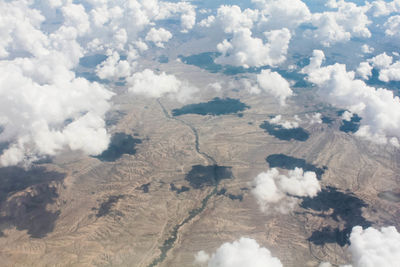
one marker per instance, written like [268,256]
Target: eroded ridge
[213,174]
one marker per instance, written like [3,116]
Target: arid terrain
[186,187]
[179,133]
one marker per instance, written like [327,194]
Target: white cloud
[265,190]
[113,68]
[379,108]
[186,11]
[347,115]
[332,27]
[34,114]
[247,51]
[271,188]
[372,247]
[249,85]
[207,22]
[391,73]
[41,43]
[388,71]
[315,118]
[285,124]
[277,14]
[382,8]
[155,85]
[364,70]
[201,258]
[76,17]
[44,107]
[20,30]
[142,46]
[315,62]
[273,83]
[188,21]
[394,142]
[392,26]
[300,183]
[243,252]
[109,19]
[232,18]
[205,11]
[215,86]
[127,24]
[158,36]
[241,48]
[366,49]
[101,25]
[381,61]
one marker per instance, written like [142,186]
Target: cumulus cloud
[364,70]
[185,10]
[126,25]
[265,190]
[277,14]
[347,115]
[158,36]
[388,70]
[284,123]
[269,15]
[241,47]
[366,49]
[391,73]
[215,86]
[243,252]
[140,45]
[20,30]
[247,51]
[381,61]
[201,258]
[188,21]
[273,83]
[34,114]
[273,189]
[315,118]
[76,17]
[114,68]
[207,22]
[270,82]
[231,18]
[325,264]
[379,108]
[44,107]
[339,26]
[372,247]
[150,84]
[392,26]
[249,85]
[300,183]
[383,8]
